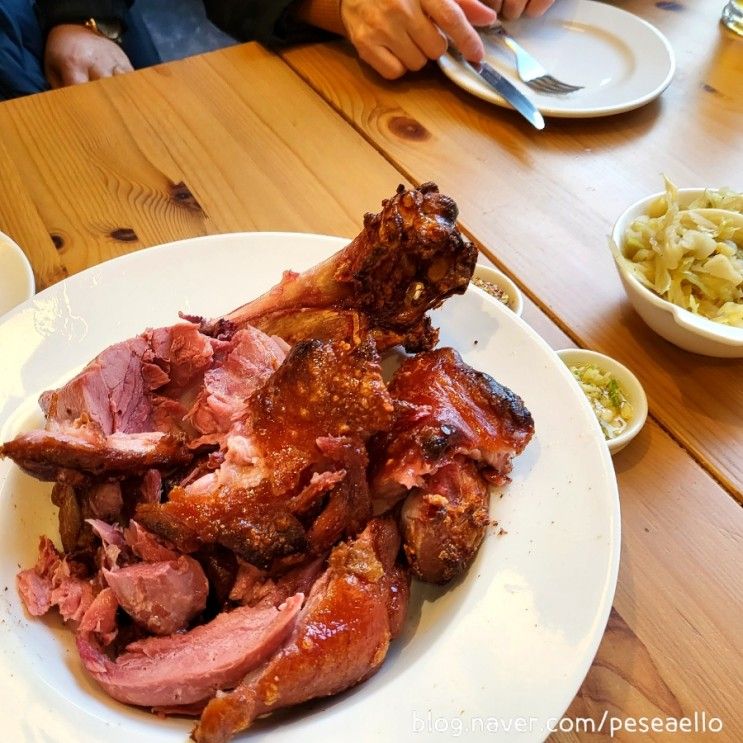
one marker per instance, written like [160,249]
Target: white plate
[622,61]
[512,640]
[16,276]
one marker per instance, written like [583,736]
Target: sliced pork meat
[341,638]
[163,597]
[406,260]
[446,409]
[253,587]
[116,391]
[190,667]
[146,545]
[250,358]
[444,522]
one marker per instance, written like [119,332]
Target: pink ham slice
[100,618]
[252,357]
[188,668]
[146,545]
[51,583]
[161,596]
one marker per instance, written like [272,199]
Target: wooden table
[241,140]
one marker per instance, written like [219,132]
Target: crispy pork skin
[444,522]
[301,449]
[161,596]
[407,260]
[341,638]
[187,668]
[446,409]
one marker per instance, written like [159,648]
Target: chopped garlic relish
[607,398]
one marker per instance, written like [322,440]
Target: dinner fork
[530,71]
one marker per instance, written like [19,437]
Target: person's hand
[75,54]
[394,36]
[512,9]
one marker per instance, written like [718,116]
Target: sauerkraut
[689,255]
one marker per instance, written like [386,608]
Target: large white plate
[622,61]
[16,276]
[512,640]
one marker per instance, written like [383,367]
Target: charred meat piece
[251,523]
[407,260]
[78,456]
[340,639]
[445,408]
[302,449]
[444,522]
[456,430]
[187,668]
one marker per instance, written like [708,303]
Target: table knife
[504,87]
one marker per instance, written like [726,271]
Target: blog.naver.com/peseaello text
[696,723]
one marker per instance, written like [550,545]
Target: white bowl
[676,324]
[629,383]
[494,276]
[16,277]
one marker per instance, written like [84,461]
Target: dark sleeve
[269,21]
[53,12]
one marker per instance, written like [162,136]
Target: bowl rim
[628,379]
[516,293]
[696,324]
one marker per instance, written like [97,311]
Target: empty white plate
[16,276]
[621,61]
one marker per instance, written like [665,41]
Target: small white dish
[627,381]
[677,325]
[16,277]
[621,60]
[494,276]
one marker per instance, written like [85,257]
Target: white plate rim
[460,76]
[92,277]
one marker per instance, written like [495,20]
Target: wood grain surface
[235,141]
[543,203]
[148,158]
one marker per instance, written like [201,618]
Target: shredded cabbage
[690,257]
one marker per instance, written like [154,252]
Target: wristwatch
[111,30]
